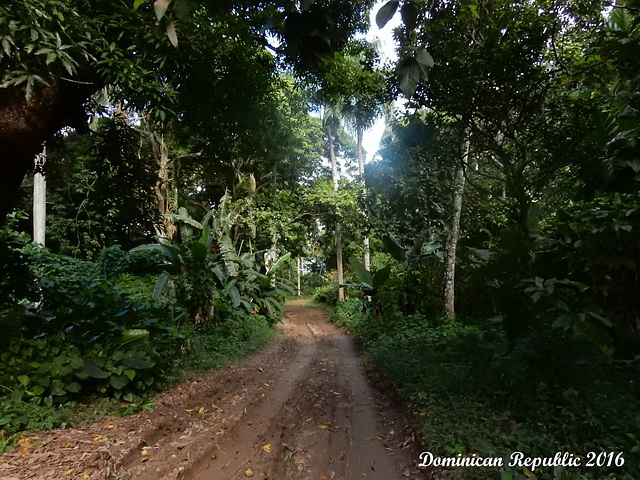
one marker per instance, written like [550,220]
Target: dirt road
[300,409]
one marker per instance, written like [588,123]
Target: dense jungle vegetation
[203,156]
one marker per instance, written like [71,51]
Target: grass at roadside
[304,302]
[471,396]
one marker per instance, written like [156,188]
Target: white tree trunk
[299,265]
[338,235]
[454,232]
[360,154]
[40,198]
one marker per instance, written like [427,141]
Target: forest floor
[301,408]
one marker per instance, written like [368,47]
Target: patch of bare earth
[299,409]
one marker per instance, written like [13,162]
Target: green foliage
[210,346]
[565,304]
[469,396]
[211,279]
[16,279]
[16,417]
[86,335]
[327,294]
[410,182]
[114,261]
[77,335]
[349,314]
[386,12]
[370,282]
[599,256]
[100,188]
[80,334]
[412,283]
[353,89]
[53,372]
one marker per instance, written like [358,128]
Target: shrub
[114,261]
[327,295]
[85,335]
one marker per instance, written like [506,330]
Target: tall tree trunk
[339,268]
[360,154]
[299,268]
[454,231]
[338,235]
[166,228]
[40,198]
[252,218]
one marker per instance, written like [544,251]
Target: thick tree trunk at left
[26,125]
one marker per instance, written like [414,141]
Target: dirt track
[300,409]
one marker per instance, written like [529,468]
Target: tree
[365,94]
[499,71]
[451,244]
[58,54]
[330,122]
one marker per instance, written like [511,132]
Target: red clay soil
[302,408]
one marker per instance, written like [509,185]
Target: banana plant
[411,258]
[370,281]
[210,277]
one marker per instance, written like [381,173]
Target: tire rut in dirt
[235,447]
[189,435]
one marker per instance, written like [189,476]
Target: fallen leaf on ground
[267,447]
[248,473]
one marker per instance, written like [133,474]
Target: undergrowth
[213,347]
[117,329]
[472,395]
[207,347]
